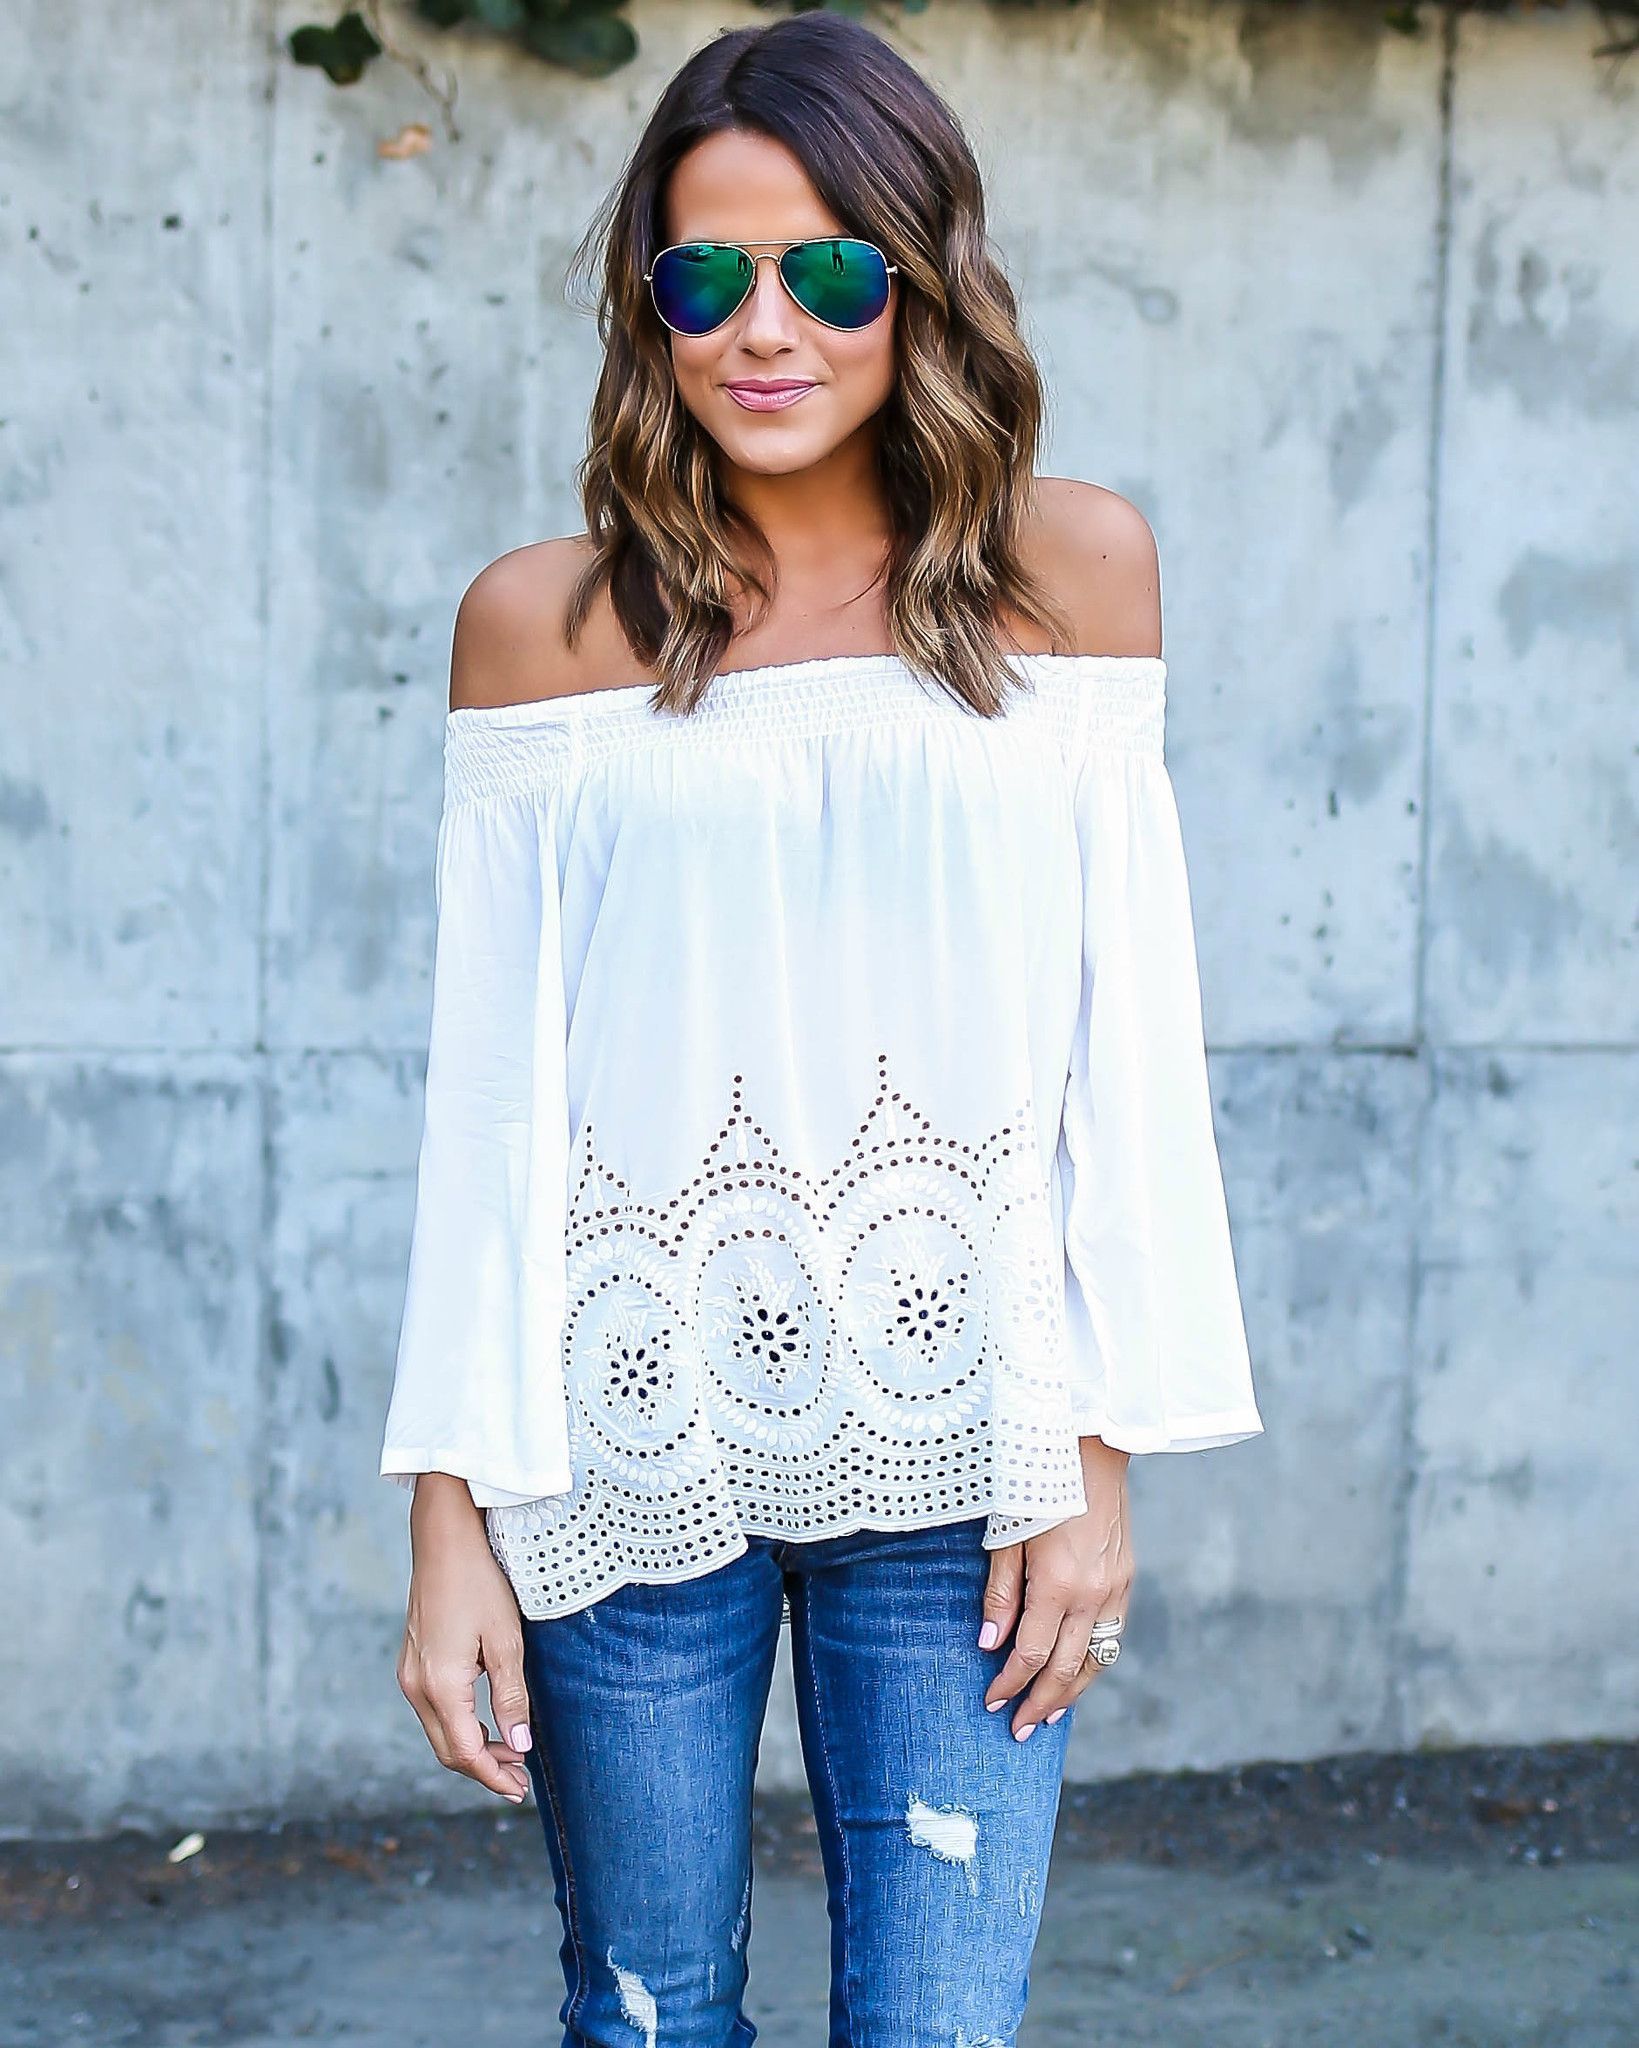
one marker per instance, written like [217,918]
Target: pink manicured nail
[994,1706]
[1057,1714]
[1019,1734]
[987,1636]
[519,1738]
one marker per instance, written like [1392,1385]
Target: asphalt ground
[1465,1898]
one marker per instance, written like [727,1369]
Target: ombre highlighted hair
[958,435]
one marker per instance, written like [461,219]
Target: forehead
[737,186]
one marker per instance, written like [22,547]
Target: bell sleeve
[478,1386]
[1153,1309]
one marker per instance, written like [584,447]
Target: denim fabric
[934,1822]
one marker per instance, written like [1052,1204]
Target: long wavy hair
[958,435]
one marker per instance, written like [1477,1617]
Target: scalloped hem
[699,1568]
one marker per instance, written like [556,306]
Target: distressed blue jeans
[934,1822]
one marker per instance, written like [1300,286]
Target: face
[746,188]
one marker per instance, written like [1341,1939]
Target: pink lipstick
[771,395]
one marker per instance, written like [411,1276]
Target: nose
[769,319]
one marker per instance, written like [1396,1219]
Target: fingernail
[1019,1734]
[987,1636]
[1057,1714]
[519,1737]
[517,1798]
[994,1706]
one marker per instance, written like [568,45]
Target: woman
[818,1200]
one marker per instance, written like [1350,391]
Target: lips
[770,396]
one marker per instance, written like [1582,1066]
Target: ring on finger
[1104,1648]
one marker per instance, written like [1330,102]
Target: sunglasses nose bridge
[782,291]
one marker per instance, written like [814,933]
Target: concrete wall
[1353,317]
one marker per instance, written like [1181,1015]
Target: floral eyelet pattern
[766,1351]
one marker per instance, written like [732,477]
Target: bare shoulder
[509,645]
[1096,554]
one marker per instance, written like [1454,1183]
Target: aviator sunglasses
[836,280]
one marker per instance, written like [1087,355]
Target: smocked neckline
[585,703]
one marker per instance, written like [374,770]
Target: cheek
[691,365]
[863,365]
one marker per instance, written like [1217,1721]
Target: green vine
[592,38]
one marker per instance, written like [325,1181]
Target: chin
[761,460]
[771,443]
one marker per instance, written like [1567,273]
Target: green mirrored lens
[842,282]
[698,285]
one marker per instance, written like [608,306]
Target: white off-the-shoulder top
[817,1131]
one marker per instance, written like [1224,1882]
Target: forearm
[1098,1456]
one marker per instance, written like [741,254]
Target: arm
[1152,1303]
[461,1616]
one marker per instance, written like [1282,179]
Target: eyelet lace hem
[773,1353]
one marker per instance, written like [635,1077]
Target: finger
[1063,1678]
[1003,1588]
[467,1742]
[1033,1641]
[508,1695]
[410,1683]
[1111,1607]
[512,1779]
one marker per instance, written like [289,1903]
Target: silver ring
[1104,1648]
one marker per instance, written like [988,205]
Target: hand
[463,1619]
[1070,1576]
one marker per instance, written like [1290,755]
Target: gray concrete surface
[1486,1900]
[1353,317]
[1128,1956]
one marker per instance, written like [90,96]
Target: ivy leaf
[584,37]
[340,52]
[506,17]
[442,13]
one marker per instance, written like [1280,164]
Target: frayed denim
[935,1824]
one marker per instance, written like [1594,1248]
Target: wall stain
[1535,331]
[24,810]
[1585,601]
